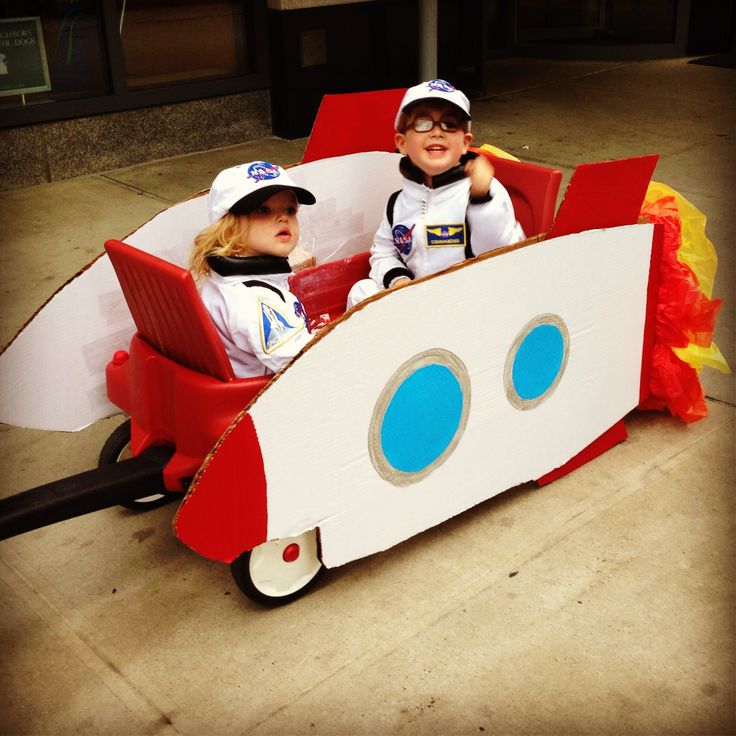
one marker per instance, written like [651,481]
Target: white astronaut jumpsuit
[433,228]
[261,323]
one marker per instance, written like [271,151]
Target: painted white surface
[52,376]
[351,194]
[313,421]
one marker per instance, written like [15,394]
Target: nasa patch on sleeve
[275,328]
[402,238]
[446,236]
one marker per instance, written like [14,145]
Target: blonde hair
[223,238]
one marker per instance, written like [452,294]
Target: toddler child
[450,207]
[241,262]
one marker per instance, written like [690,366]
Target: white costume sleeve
[493,223]
[386,265]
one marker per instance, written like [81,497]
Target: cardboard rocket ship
[404,411]
[432,398]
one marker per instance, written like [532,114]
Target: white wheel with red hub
[279,571]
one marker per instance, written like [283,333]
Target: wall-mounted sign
[23,67]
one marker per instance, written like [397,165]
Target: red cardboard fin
[533,190]
[651,314]
[354,123]
[225,512]
[604,194]
[617,433]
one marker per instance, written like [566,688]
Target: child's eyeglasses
[425,124]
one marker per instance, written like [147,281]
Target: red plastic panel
[324,289]
[225,513]
[168,311]
[354,123]
[617,433]
[604,194]
[533,190]
[172,405]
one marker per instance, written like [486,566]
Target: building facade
[90,85]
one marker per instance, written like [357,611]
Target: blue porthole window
[419,417]
[536,362]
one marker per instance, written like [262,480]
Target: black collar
[248,266]
[411,171]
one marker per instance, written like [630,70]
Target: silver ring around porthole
[419,416]
[536,361]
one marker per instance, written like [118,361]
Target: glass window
[637,22]
[597,21]
[497,24]
[71,45]
[169,41]
[99,56]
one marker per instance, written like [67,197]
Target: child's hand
[480,170]
[399,281]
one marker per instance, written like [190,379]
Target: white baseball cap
[434,89]
[240,189]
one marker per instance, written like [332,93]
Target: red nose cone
[224,514]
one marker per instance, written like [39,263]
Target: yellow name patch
[446,236]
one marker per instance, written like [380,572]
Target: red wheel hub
[291,553]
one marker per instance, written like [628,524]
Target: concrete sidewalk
[603,603]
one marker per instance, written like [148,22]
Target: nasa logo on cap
[242,188]
[434,89]
[263,170]
[440,85]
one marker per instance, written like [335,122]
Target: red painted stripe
[225,511]
[617,433]
[651,314]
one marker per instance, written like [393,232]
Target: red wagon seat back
[323,290]
[168,311]
[354,123]
[533,190]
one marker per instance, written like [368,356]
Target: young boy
[450,207]
[242,262]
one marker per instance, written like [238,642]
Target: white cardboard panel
[313,422]
[77,332]
[170,234]
[52,376]
[81,326]
[351,194]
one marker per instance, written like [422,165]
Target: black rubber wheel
[117,448]
[279,572]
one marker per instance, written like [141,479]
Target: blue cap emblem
[402,239]
[440,85]
[262,170]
